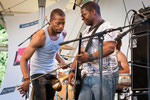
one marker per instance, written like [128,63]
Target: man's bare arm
[124,63]
[108,48]
[37,41]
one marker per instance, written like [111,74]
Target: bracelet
[26,79]
[94,56]
[72,70]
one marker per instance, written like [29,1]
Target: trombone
[56,81]
[57,84]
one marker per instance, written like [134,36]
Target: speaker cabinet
[139,66]
[140,97]
[140,53]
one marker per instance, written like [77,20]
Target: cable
[16,5]
[129,44]
[141,66]
[130,22]
[125,11]
[125,24]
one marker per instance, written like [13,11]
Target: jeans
[90,87]
[42,87]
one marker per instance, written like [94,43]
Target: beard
[88,23]
[58,32]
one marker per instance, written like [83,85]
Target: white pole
[41,4]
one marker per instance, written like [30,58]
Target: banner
[18,56]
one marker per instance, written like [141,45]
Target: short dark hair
[57,12]
[92,5]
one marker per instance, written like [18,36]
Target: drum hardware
[123,94]
[68,56]
[67,47]
[124,83]
[124,80]
[66,93]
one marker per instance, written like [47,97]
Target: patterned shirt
[110,64]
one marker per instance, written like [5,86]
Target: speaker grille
[140,54]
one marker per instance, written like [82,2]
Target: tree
[3,54]
[3,61]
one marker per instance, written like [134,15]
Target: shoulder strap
[46,32]
[90,40]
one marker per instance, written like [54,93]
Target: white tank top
[43,59]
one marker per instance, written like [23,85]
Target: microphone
[74,6]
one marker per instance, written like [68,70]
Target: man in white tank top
[43,49]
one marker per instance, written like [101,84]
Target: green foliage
[3,61]
[1,27]
[3,54]
[3,35]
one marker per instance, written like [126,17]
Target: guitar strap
[90,39]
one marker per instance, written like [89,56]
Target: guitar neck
[78,65]
[78,75]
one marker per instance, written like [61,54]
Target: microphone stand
[74,6]
[100,57]
[66,90]
[96,34]
[33,34]
[100,49]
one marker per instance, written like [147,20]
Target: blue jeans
[42,87]
[90,87]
